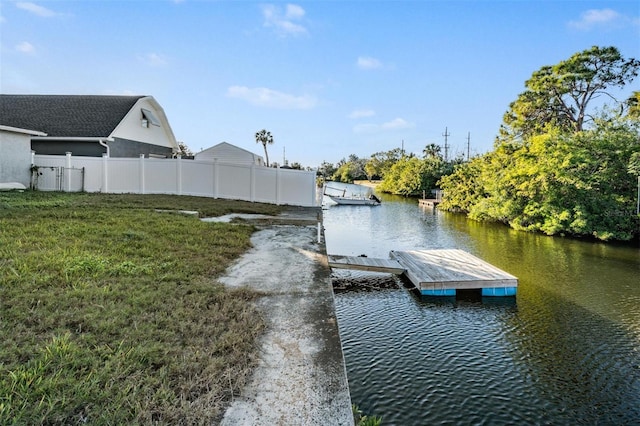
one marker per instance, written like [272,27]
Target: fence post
[34,172]
[141,174]
[105,174]
[179,174]
[252,190]
[278,185]
[67,175]
[215,178]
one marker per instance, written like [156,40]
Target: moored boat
[360,196]
[371,200]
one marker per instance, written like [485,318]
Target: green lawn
[110,312]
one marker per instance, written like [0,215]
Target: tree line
[566,160]
[398,172]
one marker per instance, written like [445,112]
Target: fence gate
[57,178]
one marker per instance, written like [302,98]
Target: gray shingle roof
[66,115]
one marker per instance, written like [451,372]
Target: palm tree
[431,151]
[264,138]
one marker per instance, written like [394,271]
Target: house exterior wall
[132,149]
[15,157]
[117,148]
[227,153]
[131,127]
[59,147]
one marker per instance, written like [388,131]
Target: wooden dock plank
[436,272]
[451,269]
[365,264]
[428,202]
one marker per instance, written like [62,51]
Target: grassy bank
[110,313]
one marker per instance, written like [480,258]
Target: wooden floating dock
[428,202]
[437,272]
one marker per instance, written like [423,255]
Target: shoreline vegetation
[110,312]
[563,163]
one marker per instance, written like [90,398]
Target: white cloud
[362,113]
[294,11]
[365,128]
[36,9]
[283,21]
[264,97]
[597,18]
[154,59]
[395,124]
[25,47]
[368,63]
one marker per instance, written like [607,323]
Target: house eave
[23,131]
[73,138]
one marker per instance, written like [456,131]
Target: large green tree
[551,173]
[580,184]
[326,170]
[404,177]
[633,106]
[381,162]
[351,169]
[562,96]
[411,175]
[465,187]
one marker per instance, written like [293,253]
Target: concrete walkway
[301,377]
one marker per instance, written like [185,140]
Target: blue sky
[327,78]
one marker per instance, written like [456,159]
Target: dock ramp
[363,263]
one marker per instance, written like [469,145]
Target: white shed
[15,161]
[226,153]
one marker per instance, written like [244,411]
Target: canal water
[566,350]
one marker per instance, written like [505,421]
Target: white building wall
[131,127]
[15,157]
[227,153]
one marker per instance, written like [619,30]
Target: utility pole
[446,135]
[468,145]
[402,149]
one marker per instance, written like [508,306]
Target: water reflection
[565,351]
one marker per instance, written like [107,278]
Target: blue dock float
[438,272]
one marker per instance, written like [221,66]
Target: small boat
[372,200]
[354,199]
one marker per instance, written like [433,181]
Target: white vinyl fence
[175,176]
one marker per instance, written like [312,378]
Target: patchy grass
[110,313]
